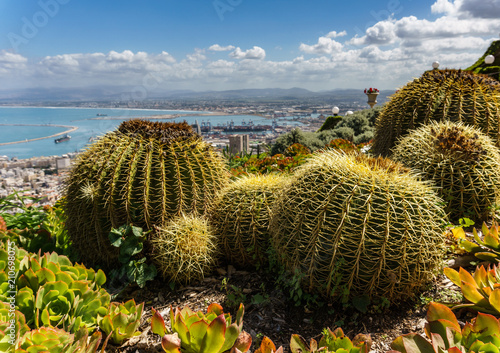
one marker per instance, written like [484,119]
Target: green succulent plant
[51,291]
[12,326]
[331,341]
[461,161]
[241,217]
[184,249]
[196,332]
[144,173]
[352,225]
[487,248]
[122,321]
[440,95]
[482,289]
[54,340]
[482,334]
[268,346]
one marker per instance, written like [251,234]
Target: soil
[270,312]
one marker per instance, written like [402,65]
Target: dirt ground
[270,312]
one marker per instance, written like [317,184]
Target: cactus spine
[358,225]
[241,218]
[144,174]
[462,162]
[440,95]
[185,249]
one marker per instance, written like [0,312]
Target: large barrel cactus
[440,95]
[143,174]
[241,218]
[462,162]
[354,225]
[185,249]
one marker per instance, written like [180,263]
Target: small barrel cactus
[144,173]
[184,249]
[441,95]
[353,225]
[241,218]
[462,162]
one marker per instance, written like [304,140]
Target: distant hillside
[492,70]
[113,94]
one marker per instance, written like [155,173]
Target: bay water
[91,122]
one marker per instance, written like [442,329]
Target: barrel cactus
[184,249]
[241,218]
[353,225]
[144,173]
[441,95]
[462,162]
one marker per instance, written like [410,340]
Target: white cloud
[335,34]
[325,45]
[217,47]
[256,53]
[387,55]
[468,8]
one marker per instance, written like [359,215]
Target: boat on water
[63,138]
[99,114]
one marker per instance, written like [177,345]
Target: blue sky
[226,44]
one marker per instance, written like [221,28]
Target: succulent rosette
[54,340]
[122,321]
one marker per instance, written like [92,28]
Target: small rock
[247,290]
[221,271]
[230,270]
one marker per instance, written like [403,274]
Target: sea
[25,123]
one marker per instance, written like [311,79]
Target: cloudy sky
[160,45]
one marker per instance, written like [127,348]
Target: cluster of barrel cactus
[358,225]
[241,218]
[144,173]
[462,162]
[441,95]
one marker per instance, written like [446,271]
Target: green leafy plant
[196,332]
[482,289]
[439,95]
[144,173]
[348,225]
[19,212]
[55,340]
[460,160]
[134,269]
[487,248]
[331,341]
[122,321]
[482,334]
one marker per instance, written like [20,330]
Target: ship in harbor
[63,138]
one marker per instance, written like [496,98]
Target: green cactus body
[440,95]
[143,174]
[461,161]
[353,225]
[184,249]
[241,218]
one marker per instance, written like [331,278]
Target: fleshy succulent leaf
[215,336]
[171,343]
[158,324]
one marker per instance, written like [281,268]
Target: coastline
[69,129]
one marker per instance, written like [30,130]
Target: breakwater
[69,130]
